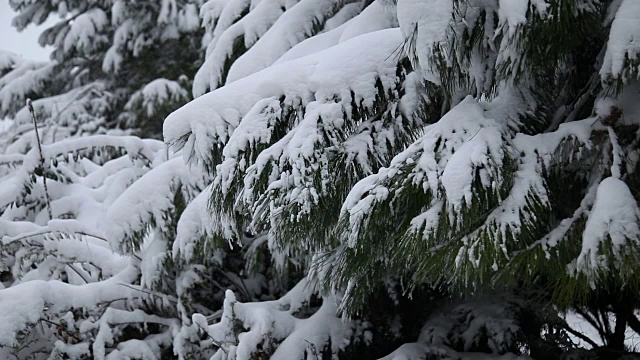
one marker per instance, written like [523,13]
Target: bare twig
[44,178]
[162,297]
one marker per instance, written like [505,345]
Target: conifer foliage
[410,179]
[86,207]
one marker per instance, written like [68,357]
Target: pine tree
[484,147]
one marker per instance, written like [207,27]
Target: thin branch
[312,346]
[592,321]
[109,302]
[557,319]
[580,335]
[74,334]
[607,325]
[24,237]
[78,272]
[149,293]
[42,162]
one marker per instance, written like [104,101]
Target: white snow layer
[277,321]
[294,26]
[208,121]
[25,303]
[429,21]
[372,18]
[624,41]
[229,31]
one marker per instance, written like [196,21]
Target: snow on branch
[301,21]
[150,200]
[622,58]
[26,304]
[301,81]
[247,330]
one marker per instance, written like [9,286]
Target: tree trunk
[617,338]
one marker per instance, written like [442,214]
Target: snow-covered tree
[114,64]
[86,210]
[423,147]
[411,179]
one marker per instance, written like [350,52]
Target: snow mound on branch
[83,30]
[445,157]
[513,13]
[615,215]
[64,108]
[196,222]
[275,322]
[373,18]
[217,16]
[12,187]
[229,31]
[295,25]
[429,21]
[150,198]
[24,304]
[27,78]
[322,328]
[624,41]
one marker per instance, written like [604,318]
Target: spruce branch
[44,178]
